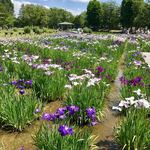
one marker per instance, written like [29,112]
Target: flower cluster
[61,113]
[65,130]
[141,102]
[22,84]
[69,111]
[91,114]
[133,82]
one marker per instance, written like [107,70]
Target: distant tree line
[108,15]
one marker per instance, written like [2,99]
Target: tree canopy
[94,14]
[6,13]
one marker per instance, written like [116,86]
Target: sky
[74,6]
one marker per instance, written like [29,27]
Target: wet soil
[105,129]
[15,140]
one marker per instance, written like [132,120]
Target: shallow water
[13,141]
[105,129]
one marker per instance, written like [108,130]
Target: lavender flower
[65,130]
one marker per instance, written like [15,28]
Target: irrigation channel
[104,130]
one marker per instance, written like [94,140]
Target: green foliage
[16,111]
[27,29]
[110,15]
[36,30]
[142,18]
[129,10]
[34,15]
[50,88]
[134,132]
[50,139]
[84,97]
[94,14]
[6,13]
[87,30]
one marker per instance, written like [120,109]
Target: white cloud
[81,1]
[18,4]
[75,12]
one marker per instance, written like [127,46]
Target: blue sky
[74,6]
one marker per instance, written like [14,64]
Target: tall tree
[80,20]
[129,11]
[110,15]
[6,13]
[94,14]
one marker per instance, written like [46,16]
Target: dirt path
[105,130]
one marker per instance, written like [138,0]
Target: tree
[94,14]
[110,15]
[129,11]
[79,20]
[6,13]
[59,15]
[35,15]
[142,19]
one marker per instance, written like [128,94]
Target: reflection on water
[105,129]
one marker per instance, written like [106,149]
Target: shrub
[27,29]
[36,30]
[15,29]
[87,30]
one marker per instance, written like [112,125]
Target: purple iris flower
[21,92]
[48,117]
[20,87]
[136,81]
[65,130]
[21,81]
[72,109]
[62,117]
[61,111]
[14,82]
[123,80]
[29,82]
[91,112]
[100,69]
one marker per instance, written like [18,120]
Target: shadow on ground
[108,145]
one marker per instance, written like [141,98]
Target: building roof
[65,23]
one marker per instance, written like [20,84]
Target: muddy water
[13,141]
[105,129]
